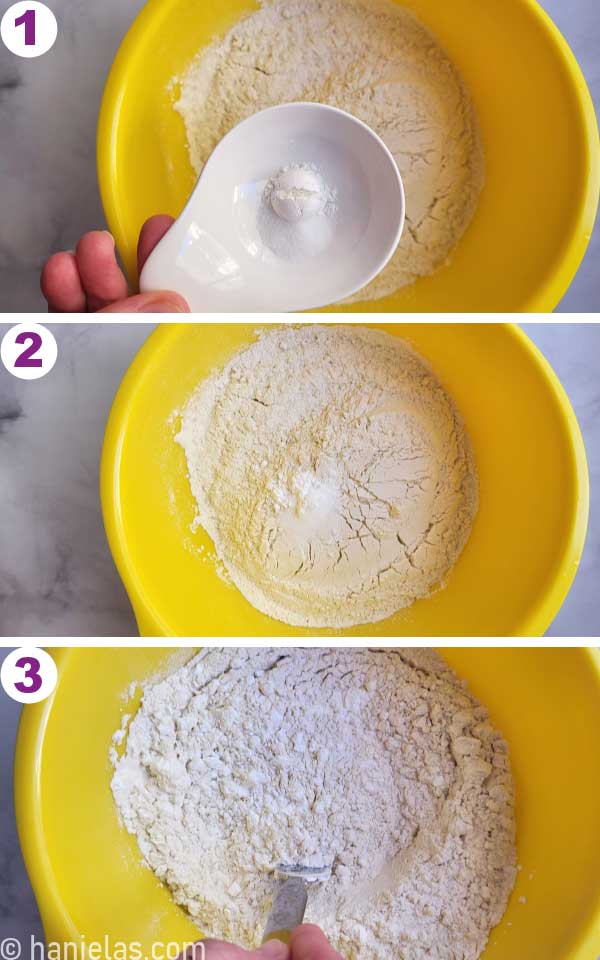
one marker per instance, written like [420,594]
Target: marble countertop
[19,917]
[48,113]
[56,574]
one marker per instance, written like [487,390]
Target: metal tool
[290,899]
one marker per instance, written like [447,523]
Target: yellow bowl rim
[534,624]
[550,289]
[57,921]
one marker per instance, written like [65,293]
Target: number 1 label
[28,21]
[29,28]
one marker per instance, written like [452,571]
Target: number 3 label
[28,675]
[29,28]
[28,351]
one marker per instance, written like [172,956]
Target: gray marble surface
[19,916]
[48,112]
[56,574]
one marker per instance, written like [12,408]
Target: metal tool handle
[289,904]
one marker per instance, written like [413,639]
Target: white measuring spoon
[241,245]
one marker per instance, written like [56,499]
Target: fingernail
[162,306]
[274,949]
[107,233]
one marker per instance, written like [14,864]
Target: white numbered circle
[29,28]
[28,351]
[28,675]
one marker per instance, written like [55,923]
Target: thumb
[310,943]
[220,950]
[158,301]
[273,950]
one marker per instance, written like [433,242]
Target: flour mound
[378,762]
[373,59]
[332,472]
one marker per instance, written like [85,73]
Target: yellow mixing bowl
[528,536]
[539,131]
[86,869]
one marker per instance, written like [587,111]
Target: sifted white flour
[332,472]
[378,762]
[373,59]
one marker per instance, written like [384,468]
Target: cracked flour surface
[378,762]
[333,473]
[375,60]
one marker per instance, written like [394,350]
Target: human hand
[307,942]
[91,280]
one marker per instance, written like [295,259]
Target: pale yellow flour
[332,472]
[373,59]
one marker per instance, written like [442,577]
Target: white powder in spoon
[333,473]
[377,762]
[296,218]
[373,59]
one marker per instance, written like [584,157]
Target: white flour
[332,472]
[373,59]
[377,762]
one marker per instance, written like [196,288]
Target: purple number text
[27,358]
[32,673]
[28,20]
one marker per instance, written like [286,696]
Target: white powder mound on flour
[332,472]
[373,59]
[376,762]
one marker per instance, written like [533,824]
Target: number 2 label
[27,359]
[28,351]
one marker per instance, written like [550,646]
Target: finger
[153,230]
[61,284]
[273,950]
[308,942]
[220,950]
[159,301]
[100,274]
[216,950]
